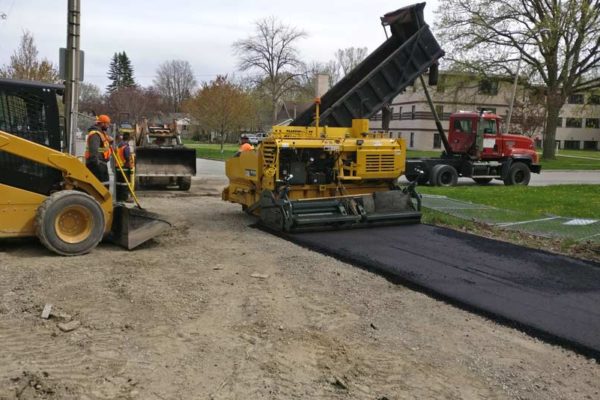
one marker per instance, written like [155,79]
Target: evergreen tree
[120,73]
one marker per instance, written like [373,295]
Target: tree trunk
[222,140]
[554,103]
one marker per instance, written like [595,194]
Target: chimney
[321,84]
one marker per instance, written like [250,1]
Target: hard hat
[105,119]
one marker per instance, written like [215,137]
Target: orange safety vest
[125,161]
[105,149]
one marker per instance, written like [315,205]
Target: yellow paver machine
[327,170]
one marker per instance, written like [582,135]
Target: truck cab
[480,135]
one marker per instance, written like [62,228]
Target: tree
[271,52]
[557,41]
[350,57]
[175,82]
[222,107]
[90,98]
[120,72]
[24,63]
[135,102]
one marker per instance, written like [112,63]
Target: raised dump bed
[408,53]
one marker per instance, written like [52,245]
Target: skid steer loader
[326,170]
[50,194]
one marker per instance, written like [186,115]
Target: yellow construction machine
[306,178]
[327,169]
[50,194]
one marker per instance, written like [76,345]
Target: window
[573,123]
[463,125]
[571,145]
[559,123]
[592,123]
[437,141]
[576,99]
[413,112]
[594,99]
[488,126]
[590,145]
[439,110]
[400,113]
[412,139]
[488,86]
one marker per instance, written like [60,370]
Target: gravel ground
[215,309]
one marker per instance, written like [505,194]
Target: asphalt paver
[551,296]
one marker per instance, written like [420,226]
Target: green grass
[573,160]
[212,151]
[582,201]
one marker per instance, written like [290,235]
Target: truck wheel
[70,223]
[444,175]
[482,181]
[184,183]
[518,174]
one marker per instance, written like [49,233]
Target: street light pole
[514,93]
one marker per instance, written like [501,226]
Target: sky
[201,32]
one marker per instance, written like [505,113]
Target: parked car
[252,138]
[261,136]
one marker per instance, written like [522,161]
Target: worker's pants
[122,189]
[100,171]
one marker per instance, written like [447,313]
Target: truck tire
[482,181]
[70,223]
[184,183]
[443,175]
[518,174]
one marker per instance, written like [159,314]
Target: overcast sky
[199,31]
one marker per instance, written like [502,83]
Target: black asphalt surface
[553,297]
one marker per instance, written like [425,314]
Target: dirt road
[218,310]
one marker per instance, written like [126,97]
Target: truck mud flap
[133,226]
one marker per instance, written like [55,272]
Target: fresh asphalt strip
[553,297]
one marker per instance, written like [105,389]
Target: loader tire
[518,174]
[70,223]
[184,183]
[444,175]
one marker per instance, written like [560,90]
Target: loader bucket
[381,208]
[156,162]
[133,226]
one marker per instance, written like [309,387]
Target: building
[412,119]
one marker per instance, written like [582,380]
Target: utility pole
[73,68]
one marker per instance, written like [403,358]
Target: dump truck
[162,160]
[326,170]
[48,193]
[476,147]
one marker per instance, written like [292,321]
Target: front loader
[50,194]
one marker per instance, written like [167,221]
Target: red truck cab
[480,136]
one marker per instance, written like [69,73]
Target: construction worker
[245,144]
[125,157]
[98,149]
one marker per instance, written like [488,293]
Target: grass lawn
[212,151]
[573,160]
[581,201]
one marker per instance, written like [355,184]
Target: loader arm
[74,172]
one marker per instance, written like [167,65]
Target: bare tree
[24,63]
[134,102]
[272,53]
[350,57]
[222,107]
[90,98]
[175,82]
[558,42]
